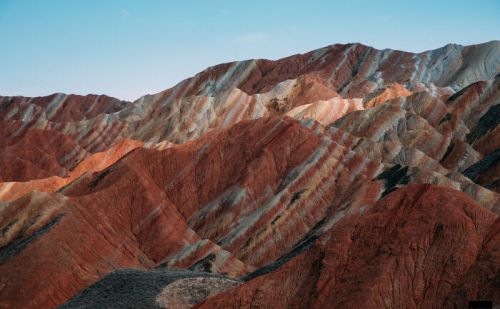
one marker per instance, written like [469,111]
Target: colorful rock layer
[346,177]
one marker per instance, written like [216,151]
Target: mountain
[344,177]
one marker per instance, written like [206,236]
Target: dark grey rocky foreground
[129,288]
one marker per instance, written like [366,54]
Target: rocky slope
[415,248]
[344,177]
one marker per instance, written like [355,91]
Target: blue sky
[130,48]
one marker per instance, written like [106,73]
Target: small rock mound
[130,288]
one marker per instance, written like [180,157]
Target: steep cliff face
[344,177]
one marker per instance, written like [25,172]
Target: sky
[130,48]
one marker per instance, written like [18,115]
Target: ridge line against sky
[127,49]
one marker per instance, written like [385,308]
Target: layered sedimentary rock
[225,94]
[417,247]
[344,177]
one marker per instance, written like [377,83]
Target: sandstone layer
[346,177]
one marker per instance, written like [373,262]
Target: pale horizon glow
[127,48]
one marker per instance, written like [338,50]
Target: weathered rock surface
[344,177]
[225,94]
[420,246]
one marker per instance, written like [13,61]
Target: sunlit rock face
[343,177]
